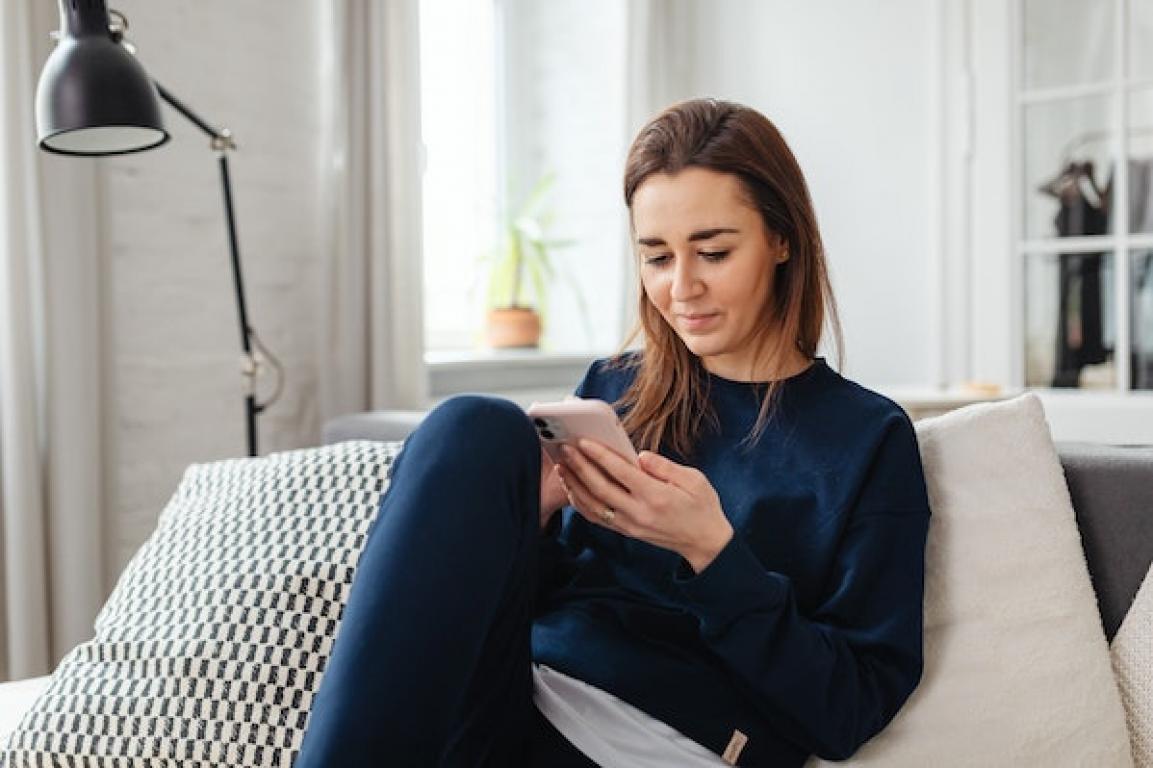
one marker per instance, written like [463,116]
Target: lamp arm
[221,137]
[234,250]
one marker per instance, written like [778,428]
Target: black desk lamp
[94,99]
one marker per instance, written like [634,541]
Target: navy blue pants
[432,662]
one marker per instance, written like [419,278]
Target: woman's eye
[714,255]
[656,259]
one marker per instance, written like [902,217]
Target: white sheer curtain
[372,340]
[661,57]
[51,531]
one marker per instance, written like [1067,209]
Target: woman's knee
[473,426]
[468,451]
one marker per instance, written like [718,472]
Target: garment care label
[736,745]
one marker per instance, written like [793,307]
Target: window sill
[453,372]
[1115,418]
[1085,415]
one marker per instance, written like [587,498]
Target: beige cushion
[1133,664]
[1017,669]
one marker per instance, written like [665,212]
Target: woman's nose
[686,283]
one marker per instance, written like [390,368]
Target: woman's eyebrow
[700,234]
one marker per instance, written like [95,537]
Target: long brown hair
[668,401]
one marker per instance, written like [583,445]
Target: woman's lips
[698,321]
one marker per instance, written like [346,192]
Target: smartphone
[567,421]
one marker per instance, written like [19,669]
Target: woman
[750,594]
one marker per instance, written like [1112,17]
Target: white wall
[174,394]
[849,86]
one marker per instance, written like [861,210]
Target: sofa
[215,638]
[1111,491]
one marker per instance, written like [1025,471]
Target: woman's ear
[782,249]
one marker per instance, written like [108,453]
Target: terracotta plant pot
[513,327]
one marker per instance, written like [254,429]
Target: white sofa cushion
[16,698]
[213,642]
[1132,651]
[1017,668]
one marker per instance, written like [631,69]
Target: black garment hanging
[1080,334]
[1141,312]
[1141,367]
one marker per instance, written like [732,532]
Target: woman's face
[707,264]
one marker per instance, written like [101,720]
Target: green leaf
[536,195]
[543,259]
[538,286]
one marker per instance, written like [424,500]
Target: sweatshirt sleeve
[555,561]
[836,677]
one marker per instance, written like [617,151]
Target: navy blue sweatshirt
[805,632]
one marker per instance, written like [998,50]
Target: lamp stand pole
[222,142]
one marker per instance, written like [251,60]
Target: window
[512,92]
[458,117]
[1083,97]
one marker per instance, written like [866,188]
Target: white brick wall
[171,338]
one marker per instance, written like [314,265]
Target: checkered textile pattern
[212,645]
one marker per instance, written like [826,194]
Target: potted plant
[521,272]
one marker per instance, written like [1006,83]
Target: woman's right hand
[553,495]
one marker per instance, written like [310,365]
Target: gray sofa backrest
[371,425]
[1112,491]
[1111,487]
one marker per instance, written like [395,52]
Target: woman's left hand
[660,502]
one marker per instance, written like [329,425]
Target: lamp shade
[93,97]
